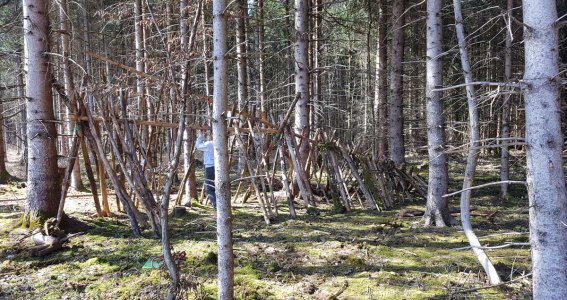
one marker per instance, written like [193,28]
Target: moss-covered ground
[366,254]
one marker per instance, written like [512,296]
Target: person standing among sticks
[209,164]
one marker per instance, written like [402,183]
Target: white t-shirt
[208,151]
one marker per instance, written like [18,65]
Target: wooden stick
[490,286]
[299,174]
[90,176]
[484,185]
[67,178]
[367,195]
[285,182]
[265,211]
[102,181]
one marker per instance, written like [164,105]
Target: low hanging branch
[484,185]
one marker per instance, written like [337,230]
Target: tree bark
[241,67]
[261,71]
[505,155]
[189,134]
[473,151]
[23,115]
[4,175]
[140,66]
[43,180]
[76,182]
[220,140]
[302,76]
[381,85]
[396,117]
[545,178]
[437,211]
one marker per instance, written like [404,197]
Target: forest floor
[361,254]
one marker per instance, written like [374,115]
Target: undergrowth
[375,255]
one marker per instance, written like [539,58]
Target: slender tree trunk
[381,85]
[220,140]
[140,66]
[87,47]
[473,151]
[302,76]
[505,155]
[164,210]
[4,176]
[366,79]
[23,115]
[396,117]
[317,60]
[262,79]
[241,59]
[437,211]
[241,67]
[189,134]
[206,51]
[546,183]
[76,182]
[43,180]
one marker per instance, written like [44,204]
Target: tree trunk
[261,75]
[317,60]
[302,76]
[222,180]
[546,183]
[437,211]
[241,67]
[189,134]
[396,117]
[505,155]
[381,85]
[43,179]
[4,176]
[76,182]
[23,115]
[139,41]
[473,151]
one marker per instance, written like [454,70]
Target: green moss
[274,267]
[313,211]
[380,256]
[211,258]
[34,219]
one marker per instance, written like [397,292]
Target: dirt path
[14,193]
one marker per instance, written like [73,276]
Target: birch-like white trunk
[42,185]
[302,75]
[473,150]
[396,116]
[261,68]
[381,85]
[437,211]
[546,181]
[220,140]
[140,66]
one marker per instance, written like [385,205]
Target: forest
[305,149]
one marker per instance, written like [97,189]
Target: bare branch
[484,185]
[516,85]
